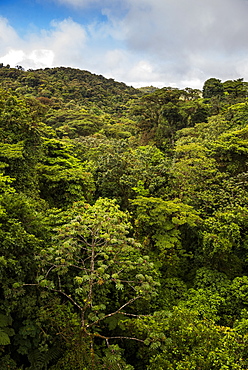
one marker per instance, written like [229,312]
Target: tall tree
[92,260]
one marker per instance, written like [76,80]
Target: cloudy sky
[176,43]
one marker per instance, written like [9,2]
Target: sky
[178,43]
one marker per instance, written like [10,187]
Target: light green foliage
[5,186]
[62,177]
[11,151]
[180,339]
[231,150]
[223,234]
[237,114]
[211,158]
[159,223]
[210,296]
[198,172]
[123,128]
[93,258]
[153,167]
[204,133]
[74,122]
[162,217]
[95,242]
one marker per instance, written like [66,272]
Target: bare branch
[50,269]
[133,315]
[113,313]
[119,337]
[130,338]
[59,282]
[67,296]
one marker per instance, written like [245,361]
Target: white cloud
[13,57]
[62,44]
[122,66]
[184,41]
[115,58]
[7,34]
[160,42]
[143,72]
[44,57]
[64,41]
[178,42]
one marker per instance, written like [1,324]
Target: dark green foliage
[63,85]
[5,331]
[40,360]
[123,224]
[213,87]
[235,89]
[20,135]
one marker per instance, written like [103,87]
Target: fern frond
[40,360]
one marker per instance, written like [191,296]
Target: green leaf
[4,338]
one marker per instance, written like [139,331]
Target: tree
[21,237]
[230,150]
[157,116]
[160,225]
[63,179]
[181,340]
[120,171]
[93,259]
[199,172]
[20,136]
[213,87]
[235,89]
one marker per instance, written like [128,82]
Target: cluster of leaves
[123,224]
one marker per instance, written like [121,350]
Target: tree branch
[119,337]
[113,313]
[57,291]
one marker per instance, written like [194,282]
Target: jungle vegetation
[123,223]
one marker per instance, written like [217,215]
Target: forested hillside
[123,224]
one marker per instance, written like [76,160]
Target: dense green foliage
[123,224]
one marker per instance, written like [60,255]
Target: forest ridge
[123,223]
